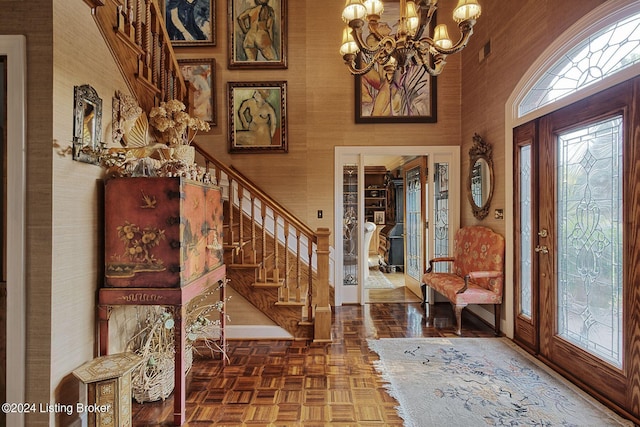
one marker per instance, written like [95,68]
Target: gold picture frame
[257,117]
[257,34]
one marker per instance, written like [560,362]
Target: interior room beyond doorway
[383,215]
[365,180]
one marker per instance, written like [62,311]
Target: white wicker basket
[151,383]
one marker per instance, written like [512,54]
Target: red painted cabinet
[161,232]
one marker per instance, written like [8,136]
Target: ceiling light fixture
[411,44]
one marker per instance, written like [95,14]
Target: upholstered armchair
[476,273]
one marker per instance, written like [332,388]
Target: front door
[577,223]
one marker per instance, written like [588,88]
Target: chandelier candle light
[411,44]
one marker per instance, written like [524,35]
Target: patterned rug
[480,381]
[376,280]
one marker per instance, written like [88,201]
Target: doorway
[356,159]
[416,214]
[13,99]
[576,258]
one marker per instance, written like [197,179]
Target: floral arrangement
[175,125]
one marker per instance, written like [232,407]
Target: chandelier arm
[439,63]
[379,57]
[387,43]
[359,71]
[466,29]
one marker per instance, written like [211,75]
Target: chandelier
[411,44]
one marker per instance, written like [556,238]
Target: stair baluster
[253,258]
[285,285]
[298,268]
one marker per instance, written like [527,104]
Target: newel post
[322,321]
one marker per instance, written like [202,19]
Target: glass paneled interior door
[576,215]
[415,185]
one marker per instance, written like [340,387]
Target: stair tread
[291,303]
[247,265]
[269,284]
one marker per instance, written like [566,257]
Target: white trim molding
[14,47]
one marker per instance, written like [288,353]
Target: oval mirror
[480,182]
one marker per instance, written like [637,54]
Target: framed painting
[386,95]
[257,34]
[190,22]
[378,217]
[257,117]
[201,77]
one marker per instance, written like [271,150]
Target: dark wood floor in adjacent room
[292,383]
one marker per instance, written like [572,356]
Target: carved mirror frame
[87,125]
[480,153]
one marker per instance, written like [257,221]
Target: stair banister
[320,239]
[260,194]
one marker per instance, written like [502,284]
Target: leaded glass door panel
[415,185]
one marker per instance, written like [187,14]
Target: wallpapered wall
[66,49]
[321,111]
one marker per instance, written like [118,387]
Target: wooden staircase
[135,32]
[270,256]
[274,260]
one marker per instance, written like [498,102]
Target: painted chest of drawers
[161,232]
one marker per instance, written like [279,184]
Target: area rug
[480,381]
[376,280]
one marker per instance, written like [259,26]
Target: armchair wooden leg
[423,288]
[430,313]
[496,310]
[458,310]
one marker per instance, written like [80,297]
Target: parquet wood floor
[294,383]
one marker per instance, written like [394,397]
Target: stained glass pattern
[441,220]
[603,54]
[414,224]
[590,237]
[525,231]
[350,226]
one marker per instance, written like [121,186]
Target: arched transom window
[601,55]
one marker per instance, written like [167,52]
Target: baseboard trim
[256,332]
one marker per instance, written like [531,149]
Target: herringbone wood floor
[292,383]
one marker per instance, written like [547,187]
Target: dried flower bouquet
[174,124]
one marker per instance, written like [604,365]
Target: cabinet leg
[104,312]
[179,392]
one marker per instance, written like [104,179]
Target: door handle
[543,233]
[542,249]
